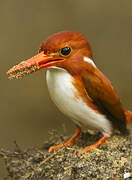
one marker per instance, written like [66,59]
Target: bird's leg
[96,145]
[67,143]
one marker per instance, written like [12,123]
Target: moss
[111,160]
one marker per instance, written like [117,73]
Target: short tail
[128,116]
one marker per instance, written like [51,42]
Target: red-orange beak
[33,64]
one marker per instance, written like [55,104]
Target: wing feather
[104,96]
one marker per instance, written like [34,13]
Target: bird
[77,86]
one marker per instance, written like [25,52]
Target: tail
[128,116]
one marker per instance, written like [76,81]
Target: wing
[104,96]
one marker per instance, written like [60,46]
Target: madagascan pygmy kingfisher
[76,85]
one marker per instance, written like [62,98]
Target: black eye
[65,51]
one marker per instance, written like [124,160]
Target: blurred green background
[27,112]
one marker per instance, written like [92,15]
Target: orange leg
[67,143]
[97,144]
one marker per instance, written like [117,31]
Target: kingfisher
[77,86]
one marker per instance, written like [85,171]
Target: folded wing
[104,96]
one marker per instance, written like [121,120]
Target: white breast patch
[62,92]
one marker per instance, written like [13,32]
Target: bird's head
[68,50]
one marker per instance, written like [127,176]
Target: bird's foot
[101,141]
[67,143]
